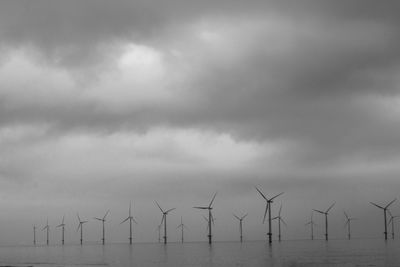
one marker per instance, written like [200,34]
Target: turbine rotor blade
[79,226]
[170,210]
[319,211]
[79,219]
[244,216]
[265,213]
[280,209]
[125,220]
[284,222]
[276,196]
[104,218]
[236,217]
[202,208]
[377,205]
[97,219]
[387,206]
[212,200]
[345,214]
[261,193]
[159,207]
[331,206]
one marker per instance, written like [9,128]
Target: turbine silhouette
[80,226]
[384,214]
[279,218]
[103,220]
[47,227]
[268,209]
[348,221]
[311,223]
[131,219]
[326,219]
[210,217]
[240,225]
[182,226]
[62,225]
[164,220]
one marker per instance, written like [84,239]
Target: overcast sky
[106,102]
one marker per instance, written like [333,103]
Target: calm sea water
[286,253]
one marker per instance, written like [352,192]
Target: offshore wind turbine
[103,220]
[34,235]
[130,218]
[326,219]
[279,218]
[240,225]
[210,217]
[164,220]
[311,223]
[62,230]
[181,226]
[384,214]
[391,221]
[268,209]
[159,233]
[47,227]
[348,220]
[80,226]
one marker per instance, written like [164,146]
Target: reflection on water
[286,253]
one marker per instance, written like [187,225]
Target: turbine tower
[391,221]
[159,233]
[103,220]
[80,226]
[34,235]
[62,230]
[164,220]
[279,218]
[348,220]
[311,223]
[384,214]
[268,209]
[130,218]
[326,219]
[240,225]
[210,217]
[181,226]
[47,227]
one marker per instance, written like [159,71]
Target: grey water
[368,252]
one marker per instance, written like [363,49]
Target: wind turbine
[62,229]
[348,220]
[279,218]
[34,235]
[240,225]
[391,221]
[159,233]
[164,220]
[47,227]
[80,226]
[103,220]
[181,226]
[326,219]
[311,223]
[130,218]
[210,217]
[268,209]
[384,213]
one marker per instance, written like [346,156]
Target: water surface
[370,252]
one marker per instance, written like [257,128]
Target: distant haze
[106,102]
